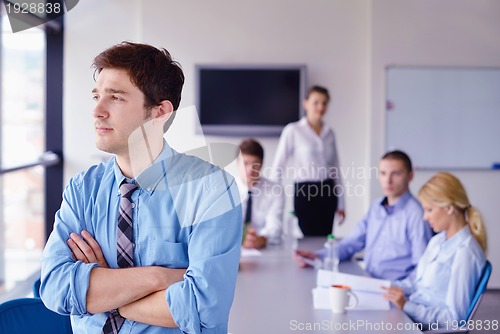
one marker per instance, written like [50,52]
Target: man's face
[394,178]
[250,169]
[119,110]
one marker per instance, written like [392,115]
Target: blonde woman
[450,269]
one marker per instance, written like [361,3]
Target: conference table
[274,296]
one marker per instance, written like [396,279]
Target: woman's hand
[395,295]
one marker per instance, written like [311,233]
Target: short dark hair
[152,70]
[401,156]
[318,89]
[250,146]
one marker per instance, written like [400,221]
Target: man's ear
[164,111]
[165,114]
[304,104]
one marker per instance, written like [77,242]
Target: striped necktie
[125,248]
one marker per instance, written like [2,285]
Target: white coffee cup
[342,298]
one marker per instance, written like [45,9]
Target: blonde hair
[445,189]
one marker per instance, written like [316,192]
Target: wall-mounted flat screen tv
[235,100]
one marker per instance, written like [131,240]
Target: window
[28,89]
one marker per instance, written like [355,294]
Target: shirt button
[133,205]
[149,189]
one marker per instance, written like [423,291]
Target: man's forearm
[151,310]
[111,288]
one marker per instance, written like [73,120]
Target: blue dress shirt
[446,279]
[394,238]
[187,214]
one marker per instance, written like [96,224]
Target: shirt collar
[303,122]
[400,203]
[257,184]
[244,189]
[454,242]
[149,178]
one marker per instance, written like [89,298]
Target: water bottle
[290,233]
[331,261]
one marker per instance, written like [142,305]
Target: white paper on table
[367,289]
[250,252]
[327,278]
[366,300]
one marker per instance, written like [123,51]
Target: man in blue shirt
[185,214]
[393,233]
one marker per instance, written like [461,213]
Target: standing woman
[307,153]
[451,266]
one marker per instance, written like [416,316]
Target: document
[327,278]
[250,252]
[368,290]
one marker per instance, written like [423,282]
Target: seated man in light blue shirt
[392,233]
[161,256]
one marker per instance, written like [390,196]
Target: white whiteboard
[444,117]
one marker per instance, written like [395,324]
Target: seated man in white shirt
[263,199]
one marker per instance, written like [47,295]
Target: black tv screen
[249,101]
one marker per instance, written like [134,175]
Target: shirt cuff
[340,202]
[80,284]
[406,285]
[321,253]
[410,308]
[270,234]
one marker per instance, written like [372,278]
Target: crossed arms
[138,293]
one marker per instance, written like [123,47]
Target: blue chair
[29,315]
[476,300]
[36,288]
[480,290]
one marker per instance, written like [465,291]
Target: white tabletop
[273,296]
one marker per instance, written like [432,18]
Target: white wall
[448,33]
[346,46]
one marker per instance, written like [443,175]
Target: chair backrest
[29,315]
[480,290]
[36,288]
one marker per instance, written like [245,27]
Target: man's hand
[340,216]
[252,240]
[86,249]
[300,254]
[395,295]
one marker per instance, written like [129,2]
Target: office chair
[36,288]
[29,315]
[476,300]
[481,289]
